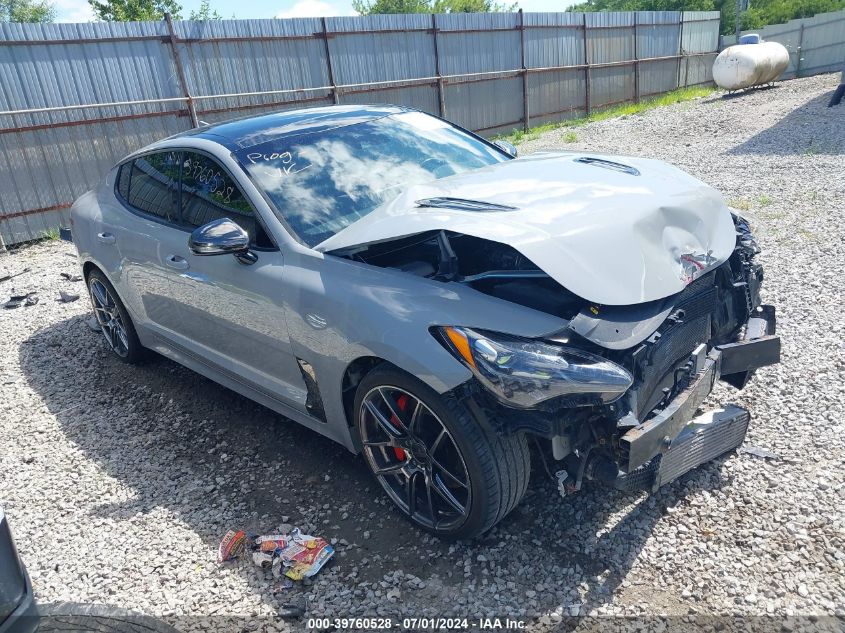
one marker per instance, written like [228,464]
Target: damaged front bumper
[682,441]
[673,441]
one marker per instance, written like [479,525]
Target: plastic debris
[291,611]
[67,297]
[16,301]
[71,277]
[13,275]
[758,452]
[294,555]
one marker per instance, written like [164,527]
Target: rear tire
[485,473]
[73,617]
[113,319]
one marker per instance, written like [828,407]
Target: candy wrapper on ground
[295,555]
[232,545]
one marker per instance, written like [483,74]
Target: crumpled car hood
[612,237]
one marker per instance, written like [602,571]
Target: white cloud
[73,11]
[315,9]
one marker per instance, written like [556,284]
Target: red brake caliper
[402,401]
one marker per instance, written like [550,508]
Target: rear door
[225,311]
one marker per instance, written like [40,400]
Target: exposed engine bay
[665,345]
[489,267]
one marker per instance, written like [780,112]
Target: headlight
[524,372]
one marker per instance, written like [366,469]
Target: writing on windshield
[321,182]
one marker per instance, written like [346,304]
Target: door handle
[177,262]
[105,238]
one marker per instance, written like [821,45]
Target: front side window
[152,184]
[322,182]
[209,193]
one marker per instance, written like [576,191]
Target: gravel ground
[120,481]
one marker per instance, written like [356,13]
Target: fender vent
[313,400]
[608,164]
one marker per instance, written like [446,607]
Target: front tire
[444,471]
[113,319]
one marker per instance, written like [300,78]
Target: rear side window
[152,184]
[209,193]
[123,180]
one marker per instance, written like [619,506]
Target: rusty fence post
[636,59]
[441,97]
[180,72]
[329,69]
[681,59]
[587,75]
[799,52]
[525,112]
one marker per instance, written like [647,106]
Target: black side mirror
[507,147]
[220,237]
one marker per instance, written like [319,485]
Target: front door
[225,312]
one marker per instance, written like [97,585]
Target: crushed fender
[294,555]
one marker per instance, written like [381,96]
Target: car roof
[238,134]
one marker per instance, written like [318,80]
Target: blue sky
[79,10]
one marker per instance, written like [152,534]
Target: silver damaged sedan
[426,298]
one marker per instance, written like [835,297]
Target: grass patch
[740,204]
[51,234]
[765,201]
[570,137]
[613,112]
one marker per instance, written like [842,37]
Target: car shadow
[810,129]
[215,460]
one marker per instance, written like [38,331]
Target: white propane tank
[746,65]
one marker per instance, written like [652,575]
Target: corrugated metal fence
[816,45]
[75,98]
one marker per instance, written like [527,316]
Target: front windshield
[324,181]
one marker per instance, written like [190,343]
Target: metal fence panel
[485,106]
[554,39]
[612,85]
[556,95]
[700,32]
[223,62]
[420,97]
[823,48]
[51,75]
[610,37]
[658,77]
[361,58]
[139,81]
[478,42]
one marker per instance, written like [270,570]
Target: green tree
[205,12]
[27,11]
[372,7]
[471,6]
[135,10]
[763,12]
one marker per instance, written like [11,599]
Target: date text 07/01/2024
[419,624]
